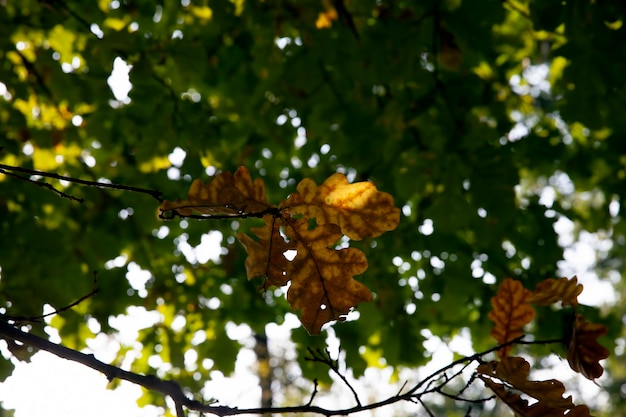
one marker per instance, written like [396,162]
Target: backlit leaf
[511,311]
[510,376]
[226,194]
[322,283]
[359,208]
[552,290]
[584,351]
[266,258]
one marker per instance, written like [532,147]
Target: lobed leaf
[226,194]
[359,209]
[512,374]
[295,245]
[584,351]
[510,312]
[552,290]
[322,278]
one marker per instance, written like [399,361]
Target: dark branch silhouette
[175,392]
[23,319]
[11,170]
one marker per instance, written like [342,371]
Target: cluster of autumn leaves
[512,310]
[297,245]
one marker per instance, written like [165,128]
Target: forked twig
[317,355]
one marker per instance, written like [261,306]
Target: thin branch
[324,357]
[401,388]
[154,193]
[41,184]
[479,355]
[467,400]
[22,319]
[430,413]
[314,393]
[234,214]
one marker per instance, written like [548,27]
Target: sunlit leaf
[267,256]
[322,278]
[552,290]
[225,194]
[510,312]
[359,208]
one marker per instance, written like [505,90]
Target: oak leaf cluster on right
[512,309]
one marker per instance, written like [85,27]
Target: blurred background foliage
[498,127]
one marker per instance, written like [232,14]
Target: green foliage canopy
[487,121]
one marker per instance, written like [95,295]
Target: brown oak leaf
[267,256]
[584,351]
[226,194]
[295,245]
[510,377]
[359,208]
[552,290]
[510,312]
[322,283]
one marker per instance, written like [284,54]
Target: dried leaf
[552,290]
[225,195]
[584,351]
[322,283]
[511,312]
[266,257]
[511,374]
[359,208]
[295,245]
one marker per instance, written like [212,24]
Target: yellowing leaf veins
[359,208]
[511,312]
[296,243]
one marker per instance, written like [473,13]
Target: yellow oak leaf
[225,195]
[552,290]
[322,283]
[509,377]
[584,351]
[359,209]
[510,313]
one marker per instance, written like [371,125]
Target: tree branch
[41,184]
[170,388]
[324,357]
[154,193]
[174,391]
[22,319]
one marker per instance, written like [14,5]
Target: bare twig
[41,184]
[314,393]
[317,355]
[154,193]
[22,319]
[233,214]
[430,413]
